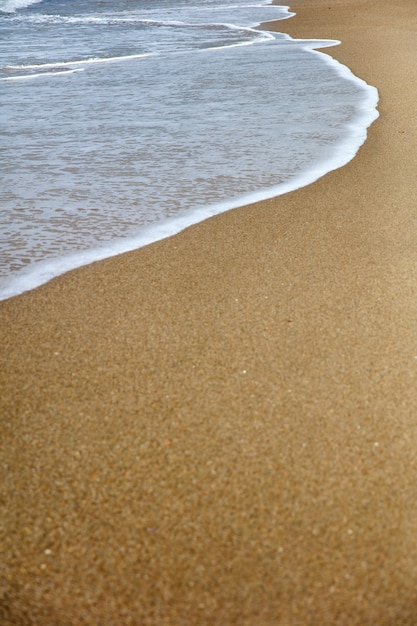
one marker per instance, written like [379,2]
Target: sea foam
[11,6]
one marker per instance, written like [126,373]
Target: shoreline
[219,428]
[38,273]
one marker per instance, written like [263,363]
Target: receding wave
[11,6]
[123,154]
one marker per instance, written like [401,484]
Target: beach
[219,429]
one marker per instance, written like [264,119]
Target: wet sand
[221,428]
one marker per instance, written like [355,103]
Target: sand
[221,428]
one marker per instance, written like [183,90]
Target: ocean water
[124,121]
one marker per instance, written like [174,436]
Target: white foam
[11,6]
[76,63]
[42,75]
[260,37]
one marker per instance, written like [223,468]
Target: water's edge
[42,272]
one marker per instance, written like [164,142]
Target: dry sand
[221,429]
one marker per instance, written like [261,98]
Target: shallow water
[125,121]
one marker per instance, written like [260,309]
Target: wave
[35,68]
[11,6]
[75,63]
[106,20]
[258,36]
[262,36]
[42,75]
[112,20]
[42,272]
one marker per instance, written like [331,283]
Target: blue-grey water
[123,121]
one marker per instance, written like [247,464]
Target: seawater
[124,121]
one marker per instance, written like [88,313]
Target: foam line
[42,75]
[40,66]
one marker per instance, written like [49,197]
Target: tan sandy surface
[221,429]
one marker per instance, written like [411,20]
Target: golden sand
[221,428]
